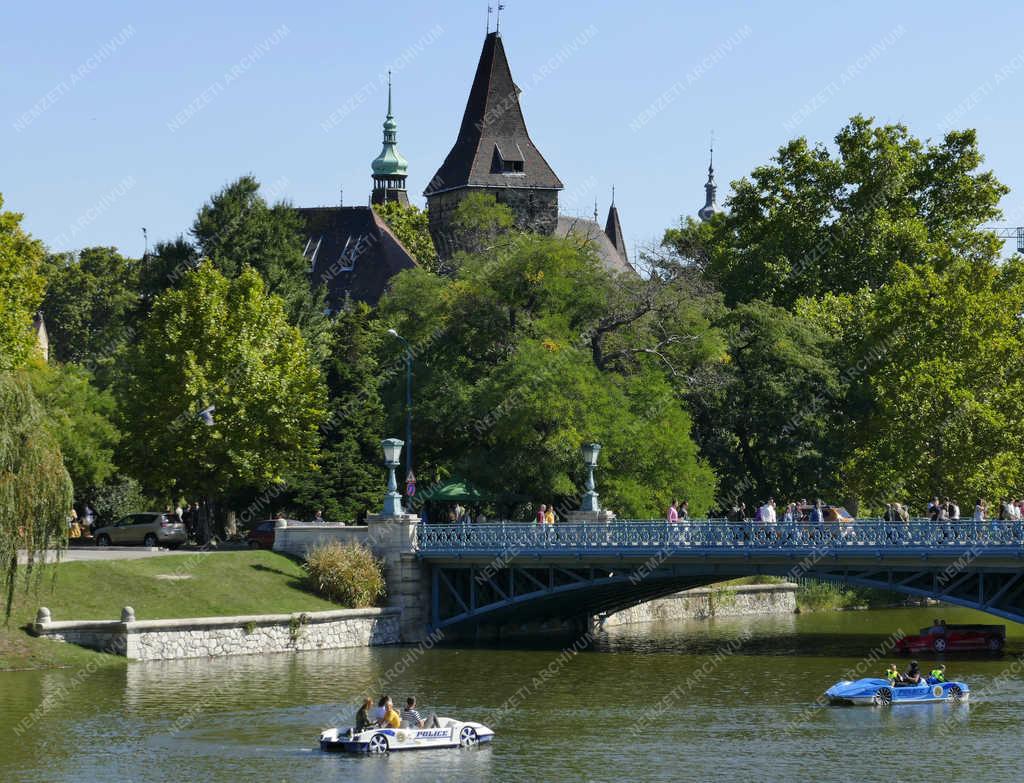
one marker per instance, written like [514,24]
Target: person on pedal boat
[912,676]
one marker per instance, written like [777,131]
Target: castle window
[508,159]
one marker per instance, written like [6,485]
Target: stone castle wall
[535,211]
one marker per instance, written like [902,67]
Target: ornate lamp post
[590,452]
[410,478]
[392,456]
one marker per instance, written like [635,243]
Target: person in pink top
[673,513]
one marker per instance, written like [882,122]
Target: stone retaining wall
[297,540]
[704,602]
[202,637]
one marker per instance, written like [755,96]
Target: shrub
[348,575]
[120,495]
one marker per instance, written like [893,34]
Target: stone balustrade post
[579,517]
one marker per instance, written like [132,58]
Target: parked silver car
[149,529]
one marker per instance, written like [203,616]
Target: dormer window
[508,159]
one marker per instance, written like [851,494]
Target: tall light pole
[410,477]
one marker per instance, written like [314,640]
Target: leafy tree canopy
[222,342]
[945,384]
[348,483]
[21,289]
[508,386]
[35,490]
[81,418]
[410,225]
[90,304]
[816,220]
[763,416]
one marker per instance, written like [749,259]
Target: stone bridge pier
[393,540]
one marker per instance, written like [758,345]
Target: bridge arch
[495,575]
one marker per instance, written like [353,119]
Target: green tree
[238,228]
[91,301]
[410,225]
[81,418]
[165,267]
[508,386]
[35,490]
[117,497]
[21,289]
[348,482]
[816,221]
[227,343]
[945,386]
[479,222]
[764,419]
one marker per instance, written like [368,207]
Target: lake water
[729,699]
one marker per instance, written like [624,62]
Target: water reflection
[752,715]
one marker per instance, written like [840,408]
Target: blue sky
[123,115]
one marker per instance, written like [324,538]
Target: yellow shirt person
[391,718]
[549,517]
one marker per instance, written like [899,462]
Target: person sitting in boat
[380,710]
[939,673]
[410,716]
[391,718]
[363,716]
[892,674]
[912,676]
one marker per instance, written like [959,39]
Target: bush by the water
[814,595]
[348,575]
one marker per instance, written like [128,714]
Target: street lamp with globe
[590,452]
[392,456]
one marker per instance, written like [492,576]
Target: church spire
[710,207]
[389,168]
[613,229]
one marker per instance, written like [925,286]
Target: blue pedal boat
[881,692]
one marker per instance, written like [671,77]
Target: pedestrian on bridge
[980,510]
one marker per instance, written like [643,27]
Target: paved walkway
[79,554]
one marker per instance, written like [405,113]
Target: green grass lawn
[186,585]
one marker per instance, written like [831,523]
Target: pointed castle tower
[710,208]
[389,168]
[493,154]
[613,230]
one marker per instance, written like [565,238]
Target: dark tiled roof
[352,252]
[591,231]
[613,229]
[492,127]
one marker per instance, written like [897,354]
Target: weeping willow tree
[35,490]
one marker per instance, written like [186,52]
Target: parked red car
[261,535]
[942,638]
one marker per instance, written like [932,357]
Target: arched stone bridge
[499,573]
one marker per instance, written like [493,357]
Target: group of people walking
[795,511]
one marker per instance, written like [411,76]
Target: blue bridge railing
[497,537]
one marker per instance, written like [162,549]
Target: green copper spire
[390,162]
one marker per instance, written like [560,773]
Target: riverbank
[203,584]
